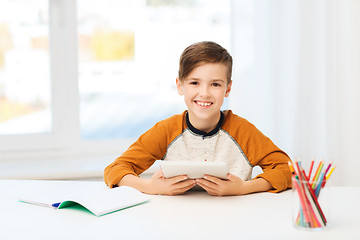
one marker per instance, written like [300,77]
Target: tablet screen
[194,169]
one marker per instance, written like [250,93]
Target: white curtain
[297,77]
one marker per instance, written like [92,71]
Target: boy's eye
[216,84]
[194,83]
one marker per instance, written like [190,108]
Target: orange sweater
[236,141]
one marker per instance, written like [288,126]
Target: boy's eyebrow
[197,79]
[192,78]
[218,80]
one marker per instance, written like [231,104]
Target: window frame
[61,32]
[65,136]
[65,133]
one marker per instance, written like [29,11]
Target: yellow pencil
[291,167]
[329,174]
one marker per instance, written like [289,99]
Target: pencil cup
[311,204]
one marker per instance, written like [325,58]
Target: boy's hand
[233,185]
[158,184]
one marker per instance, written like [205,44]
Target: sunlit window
[128,59]
[73,71]
[24,67]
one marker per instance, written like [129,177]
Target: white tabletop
[194,215]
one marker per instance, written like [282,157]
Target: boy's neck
[206,125]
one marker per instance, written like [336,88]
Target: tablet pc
[194,169]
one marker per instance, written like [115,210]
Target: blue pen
[56,205]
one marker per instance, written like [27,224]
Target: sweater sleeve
[150,146]
[261,151]
[137,158]
[276,171]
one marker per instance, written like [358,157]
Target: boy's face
[204,90]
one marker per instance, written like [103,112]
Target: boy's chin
[204,115]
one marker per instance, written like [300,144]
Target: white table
[194,215]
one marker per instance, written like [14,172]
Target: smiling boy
[203,132]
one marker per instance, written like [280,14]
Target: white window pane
[129,53]
[24,67]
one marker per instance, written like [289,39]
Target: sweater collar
[203,133]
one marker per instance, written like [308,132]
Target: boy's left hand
[233,185]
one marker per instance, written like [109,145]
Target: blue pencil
[318,186]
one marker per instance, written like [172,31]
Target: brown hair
[201,53]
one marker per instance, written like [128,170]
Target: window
[25,103]
[75,72]
[128,59]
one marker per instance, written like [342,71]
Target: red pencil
[327,169]
[317,171]
[314,198]
[302,197]
[311,168]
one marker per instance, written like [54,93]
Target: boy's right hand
[158,184]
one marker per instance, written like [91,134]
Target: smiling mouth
[203,104]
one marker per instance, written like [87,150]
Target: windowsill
[54,165]
[64,168]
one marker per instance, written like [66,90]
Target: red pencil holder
[311,204]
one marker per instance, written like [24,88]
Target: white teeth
[203,104]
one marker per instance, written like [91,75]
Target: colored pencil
[315,199]
[329,174]
[318,171]
[328,167]
[291,168]
[311,168]
[319,185]
[310,212]
[302,202]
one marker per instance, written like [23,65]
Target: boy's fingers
[186,185]
[208,189]
[182,187]
[178,178]
[205,184]
[212,179]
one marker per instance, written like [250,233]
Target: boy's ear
[228,89]
[179,87]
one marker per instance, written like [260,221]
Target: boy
[203,132]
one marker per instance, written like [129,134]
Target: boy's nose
[205,92]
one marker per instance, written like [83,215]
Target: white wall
[301,86]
